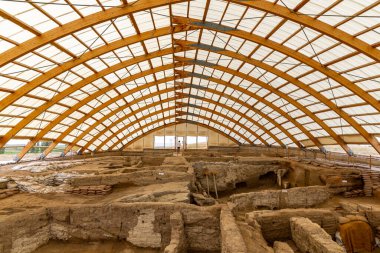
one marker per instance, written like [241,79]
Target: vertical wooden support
[216,190]
[208,187]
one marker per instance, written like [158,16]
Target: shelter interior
[200,126]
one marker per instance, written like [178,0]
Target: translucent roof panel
[100,73]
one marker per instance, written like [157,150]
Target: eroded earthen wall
[299,197]
[142,224]
[311,238]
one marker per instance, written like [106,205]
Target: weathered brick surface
[142,224]
[299,197]
[232,240]
[275,225]
[311,238]
[178,242]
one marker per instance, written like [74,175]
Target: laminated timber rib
[183,67]
[120,120]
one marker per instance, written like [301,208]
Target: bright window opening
[184,142]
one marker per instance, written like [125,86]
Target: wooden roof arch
[61,117]
[176,123]
[144,108]
[186,25]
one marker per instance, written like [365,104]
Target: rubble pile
[37,167]
[57,182]
[353,193]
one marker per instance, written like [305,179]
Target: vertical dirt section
[232,240]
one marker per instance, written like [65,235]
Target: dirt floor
[29,201]
[224,196]
[335,201]
[24,201]
[92,247]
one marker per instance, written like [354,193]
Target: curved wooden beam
[78,85]
[370,138]
[162,119]
[200,108]
[94,95]
[314,24]
[8,100]
[88,99]
[177,123]
[158,120]
[34,114]
[114,112]
[209,90]
[204,99]
[195,23]
[138,38]
[337,138]
[79,24]
[220,94]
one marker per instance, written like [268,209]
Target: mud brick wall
[142,224]
[298,197]
[232,240]
[133,178]
[311,238]
[275,225]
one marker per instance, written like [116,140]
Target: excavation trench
[178,204]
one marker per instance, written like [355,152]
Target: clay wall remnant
[299,197]
[311,238]
[275,225]
[131,222]
[232,240]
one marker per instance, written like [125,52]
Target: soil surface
[92,247]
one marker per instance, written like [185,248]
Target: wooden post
[370,161]
[216,190]
[208,187]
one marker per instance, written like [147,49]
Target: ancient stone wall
[134,178]
[253,238]
[299,197]
[275,225]
[310,173]
[142,224]
[373,216]
[232,240]
[282,247]
[178,242]
[311,238]
[228,174]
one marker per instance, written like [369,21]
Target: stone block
[311,238]
[232,240]
[282,247]
[275,225]
[178,242]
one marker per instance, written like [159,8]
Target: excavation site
[226,199]
[189,126]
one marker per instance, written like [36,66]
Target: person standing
[178,147]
